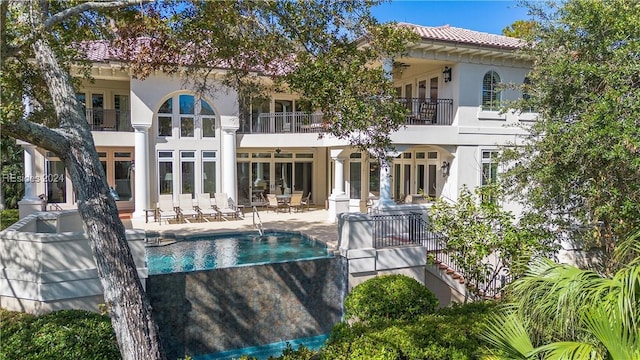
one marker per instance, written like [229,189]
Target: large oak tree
[325,50]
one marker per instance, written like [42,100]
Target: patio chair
[274,204]
[222,205]
[306,201]
[186,209]
[428,112]
[295,202]
[166,209]
[206,207]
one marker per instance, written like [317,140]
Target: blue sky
[489,16]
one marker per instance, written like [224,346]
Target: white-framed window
[165,118]
[187,115]
[187,172]
[55,179]
[209,172]
[489,167]
[190,118]
[165,172]
[355,176]
[491,96]
[208,117]
[527,96]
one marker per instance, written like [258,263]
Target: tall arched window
[188,116]
[490,91]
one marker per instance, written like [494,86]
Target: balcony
[109,120]
[284,123]
[419,112]
[427,111]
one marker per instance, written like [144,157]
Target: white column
[141,169]
[30,203]
[338,183]
[385,184]
[338,201]
[230,124]
[30,190]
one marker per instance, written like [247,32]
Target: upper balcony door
[433,89]
[283,116]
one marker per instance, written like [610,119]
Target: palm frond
[507,333]
[567,350]
[620,341]
[551,296]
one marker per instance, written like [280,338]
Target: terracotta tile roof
[452,34]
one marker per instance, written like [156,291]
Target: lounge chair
[205,207]
[222,205]
[166,209]
[186,208]
[296,202]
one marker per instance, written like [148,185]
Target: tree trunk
[128,306]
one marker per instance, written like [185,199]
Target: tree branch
[37,134]
[92,5]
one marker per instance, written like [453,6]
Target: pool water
[202,252]
[268,351]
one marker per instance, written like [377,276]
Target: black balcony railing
[419,112]
[428,111]
[284,122]
[109,120]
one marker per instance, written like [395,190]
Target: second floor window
[189,118]
[490,91]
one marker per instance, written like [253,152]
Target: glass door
[283,178]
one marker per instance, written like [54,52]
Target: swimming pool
[214,251]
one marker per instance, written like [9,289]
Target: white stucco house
[156,137]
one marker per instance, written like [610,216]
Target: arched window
[186,117]
[490,91]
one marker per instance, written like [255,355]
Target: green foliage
[451,333]
[389,297]
[476,229]
[580,167]
[11,164]
[66,334]
[523,29]
[311,48]
[560,311]
[8,217]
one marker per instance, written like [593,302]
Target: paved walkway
[313,223]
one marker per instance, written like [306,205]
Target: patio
[313,223]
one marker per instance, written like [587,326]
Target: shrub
[65,334]
[449,334]
[389,297]
[8,217]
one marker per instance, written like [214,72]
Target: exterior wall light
[446,74]
[445,168]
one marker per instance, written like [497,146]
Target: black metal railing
[390,230]
[428,111]
[109,120]
[393,230]
[419,112]
[284,123]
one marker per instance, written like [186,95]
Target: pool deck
[313,223]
